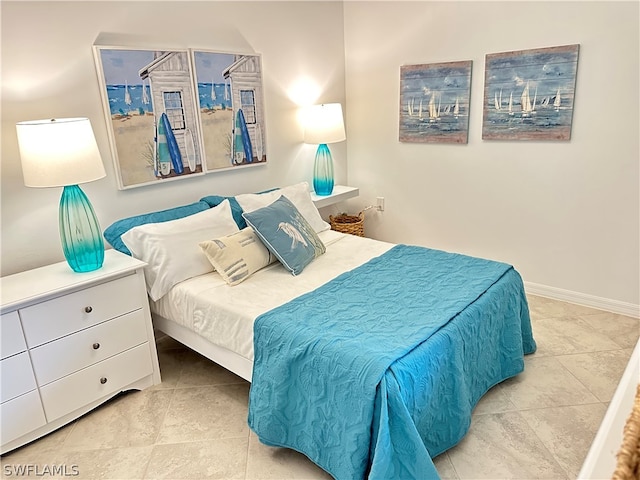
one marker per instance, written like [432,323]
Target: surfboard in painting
[246,139]
[156,162]
[174,150]
[190,149]
[259,143]
[162,151]
[238,148]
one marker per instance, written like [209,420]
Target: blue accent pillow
[114,231]
[286,233]
[236,209]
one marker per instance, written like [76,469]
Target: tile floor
[193,425]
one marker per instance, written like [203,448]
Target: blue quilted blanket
[377,371]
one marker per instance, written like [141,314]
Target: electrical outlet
[380,204]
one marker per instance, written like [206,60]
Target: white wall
[48,71]
[566,214]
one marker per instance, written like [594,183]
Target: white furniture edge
[600,303]
[601,460]
[49,427]
[339,194]
[228,359]
[64,280]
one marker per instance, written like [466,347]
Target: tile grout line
[164,417]
[587,353]
[553,455]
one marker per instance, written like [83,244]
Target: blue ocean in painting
[216,95]
[530,113]
[125,99]
[416,121]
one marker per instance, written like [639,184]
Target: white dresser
[69,342]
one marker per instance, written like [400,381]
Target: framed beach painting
[231,108]
[159,124]
[150,107]
[529,94]
[434,102]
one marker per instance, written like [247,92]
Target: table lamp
[324,124]
[63,153]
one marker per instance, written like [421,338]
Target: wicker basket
[352,224]
[628,458]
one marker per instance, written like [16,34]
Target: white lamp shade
[324,124]
[58,152]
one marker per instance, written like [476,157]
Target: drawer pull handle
[88,309]
[103,380]
[96,346]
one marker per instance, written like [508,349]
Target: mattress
[224,315]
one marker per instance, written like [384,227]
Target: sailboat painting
[434,102]
[529,94]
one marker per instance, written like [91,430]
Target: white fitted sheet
[224,314]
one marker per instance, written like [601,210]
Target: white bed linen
[224,314]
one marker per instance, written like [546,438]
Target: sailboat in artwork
[456,108]
[557,101]
[145,95]
[213,91]
[497,102]
[410,107]
[525,101]
[434,112]
[510,106]
[432,107]
[127,95]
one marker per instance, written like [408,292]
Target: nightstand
[71,341]
[339,194]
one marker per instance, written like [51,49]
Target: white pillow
[298,194]
[171,249]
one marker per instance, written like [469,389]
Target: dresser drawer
[69,354]
[16,376]
[67,314]
[21,416]
[11,337]
[92,383]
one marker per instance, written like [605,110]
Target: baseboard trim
[592,301]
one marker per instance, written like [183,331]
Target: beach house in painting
[172,93]
[246,93]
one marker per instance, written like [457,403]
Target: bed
[368,358]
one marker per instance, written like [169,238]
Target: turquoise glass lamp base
[323,171]
[80,233]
